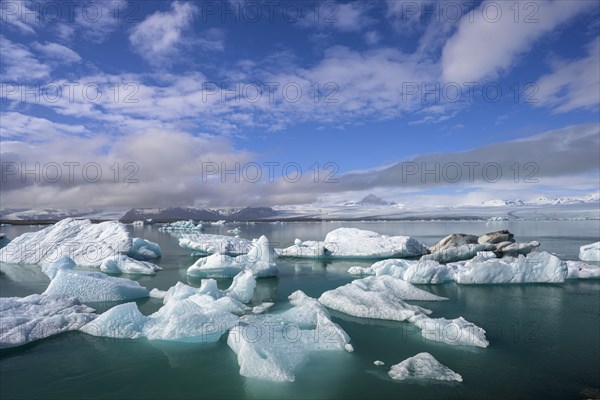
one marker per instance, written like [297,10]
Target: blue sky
[184,85]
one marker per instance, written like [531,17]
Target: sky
[263,103]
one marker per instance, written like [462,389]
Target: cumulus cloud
[160,36]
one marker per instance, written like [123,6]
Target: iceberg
[484,268]
[260,260]
[378,297]
[122,264]
[25,319]
[189,225]
[188,315]
[581,270]
[382,297]
[142,249]
[456,332]
[415,272]
[52,268]
[89,286]
[272,346]
[378,363]
[86,243]
[356,243]
[590,252]
[423,366]
[210,244]
[541,267]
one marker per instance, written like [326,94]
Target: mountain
[543,201]
[198,214]
[49,214]
[370,200]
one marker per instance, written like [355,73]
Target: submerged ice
[272,346]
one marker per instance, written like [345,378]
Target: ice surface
[86,243]
[357,243]
[539,267]
[272,346]
[590,252]
[189,225]
[382,297]
[189,314]
[378,297]
[262,307]
[210,244]
[484,268]
[25,319]
[581,270]
[456,332]
[122,264]
[93,286]
[416,272]
[52,268]
[157,293]
[142,249]
[378,363]
[423,366]
[260,260]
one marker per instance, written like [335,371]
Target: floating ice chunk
[120,322]
[260,260]
[378,297]
[157,293]
[52,268]
[378,363]
[453,240]
[457,331]
[262,307]
[242,287]
[122,264]
[137,223]
[86,243]
[188,321]
[210,244]
[143,249]
[590,252]
[357,243]
[235,231]
[220,222]
[189,314]
[533,268]
[459,253]
[25,319]
[94,286]
[581,270]
[189,225]
[423,366]
[416,272]
[272,346]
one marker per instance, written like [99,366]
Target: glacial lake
[544,338]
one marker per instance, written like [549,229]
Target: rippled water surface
[544,339]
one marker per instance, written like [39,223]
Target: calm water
[544,339]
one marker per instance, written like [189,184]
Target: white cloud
[57,52]
[17,126]
[343,17]
[19,15]
[372,37]
[159,38]
[97,20]
[572,84]
[19,64]
[488,40]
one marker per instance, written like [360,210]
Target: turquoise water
[544,339]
